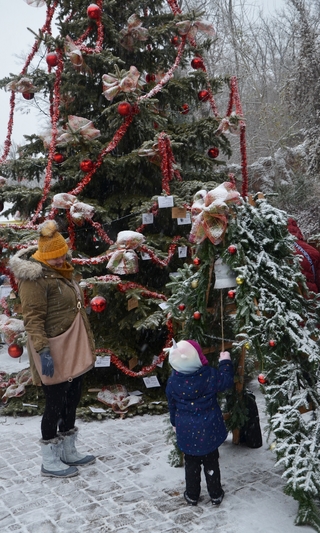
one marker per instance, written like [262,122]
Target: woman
[60,344]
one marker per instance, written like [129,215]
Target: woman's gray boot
[52,466]
[69,453]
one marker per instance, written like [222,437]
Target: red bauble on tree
[262,379]
[181,307]
[203,95]
[197,315]
[28,96]
[15,351]
[94,12]
[150,78]
[58,158]
[272,343]
[175,40]
[213,152]
[231,295]
[52,59]
[196,261]
[98,304]
[124,109]
[86,165]
[197,63]
[184,109]
[232,249]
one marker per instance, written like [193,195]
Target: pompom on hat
[51,244]
[186,356]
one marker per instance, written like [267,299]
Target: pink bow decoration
[79,211]
[227,126]
[186,27]
[151,150]
[209,213]
[125,81]
[24,85]
[35,3]
[133,32]
[78,127]
[122,256]
[11,328]
[73,52]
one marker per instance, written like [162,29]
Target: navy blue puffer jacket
[194,408]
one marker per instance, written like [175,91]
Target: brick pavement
[132,488]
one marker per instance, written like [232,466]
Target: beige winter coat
[49,306]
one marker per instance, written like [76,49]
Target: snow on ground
[132,488]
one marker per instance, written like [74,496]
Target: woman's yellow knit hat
[51,244]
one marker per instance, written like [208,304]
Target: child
[195,413]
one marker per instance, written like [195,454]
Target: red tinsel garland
[155,259]
[146,369]
[129,285]
[167,162]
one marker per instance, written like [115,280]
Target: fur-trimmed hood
[23,267]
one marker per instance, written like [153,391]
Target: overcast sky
[16,42]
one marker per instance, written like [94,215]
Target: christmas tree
[134,132]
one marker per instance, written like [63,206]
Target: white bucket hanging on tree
[225,277]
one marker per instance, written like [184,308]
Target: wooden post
[239,389]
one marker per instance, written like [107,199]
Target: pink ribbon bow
[78,126]
[125,81]
[133,32]
[122,257]
[209,213]
[189,28]
[79,211]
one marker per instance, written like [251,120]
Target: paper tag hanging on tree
[151,382]
[147,218]
[182,251]
[145,256]
[133,303]
[225,277]
[183,221]
[165,201]
[102,361]
[179,212]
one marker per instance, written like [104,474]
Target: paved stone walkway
[132,488]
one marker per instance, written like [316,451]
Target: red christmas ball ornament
[262,379]
[203,96]
[86,165]
[94,12]
[181,307]
[52,59]
[15,351]
[231,295]
[197,315]
[184,109]
[175,40]
[272,343]
[213,152]
[98,304]
[197,63]
[58,158]
[28,96]
[150,78]
[232,249]
[124,109]
[196,261]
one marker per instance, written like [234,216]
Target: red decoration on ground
[124,109]
[272,343]
[197,315]
[52,59]
[28,96]
[15,351]
[175,40]
[232,249]
[150,78]
[213,152]
[58,158]
[262,379]
[98,304]
[203,96]
[231,294]
[197,63]
[196,261]
[181,307]
[94,12]
[86,165]
[184,109]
